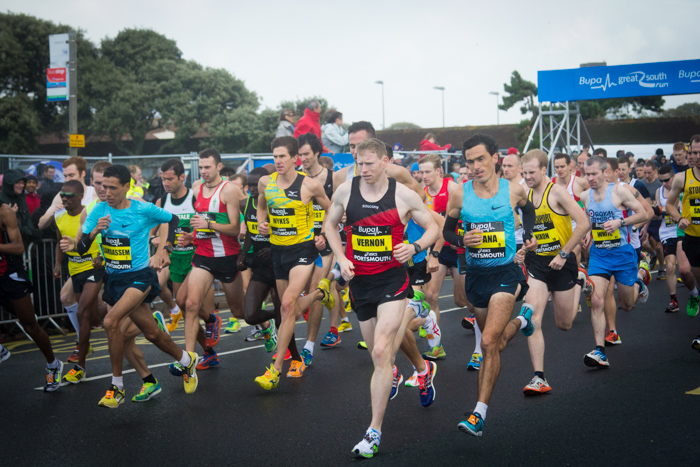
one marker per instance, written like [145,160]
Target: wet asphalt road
[637,412]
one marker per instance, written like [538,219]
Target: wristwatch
[622,222]
[417,247]
[563,254]
[168,248]
[435,253]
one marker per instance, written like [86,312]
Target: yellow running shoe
[233,325]
[345,326]
[75,375]
[269,380]
[297,369]
[174,321]
[189,376]
[113,399]
[328,299]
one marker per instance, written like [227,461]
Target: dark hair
[624,160]
[586,146]
[612,163]
[560,155]
[620,153]
[242,177]
[695,139]
[99,167]
[601,152]
[331,118]
[211,152]
[119,172]
[312,140]
[326,161]
[288,142]
[173,164]
[640,162]
[227,171]
[47,167]
[389,151]
[665,169]
[260,171]
[75,185]
[480,138]
[651,164]
[356,127]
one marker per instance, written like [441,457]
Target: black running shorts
[556,280]
[370,291]
[481,283]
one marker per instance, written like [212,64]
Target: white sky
[294,49]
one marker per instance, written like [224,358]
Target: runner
[285,212]
[376,209]
[552,267]
[494,281]
[611,254]
[124,225]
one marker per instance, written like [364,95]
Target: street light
[383,122]
[494,93]
[442,88]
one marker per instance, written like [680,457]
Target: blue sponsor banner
[605,82]
[339,161]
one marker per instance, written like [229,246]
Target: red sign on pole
[56,84]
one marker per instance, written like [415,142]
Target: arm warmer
[528,219]
[449,232]
[172,225]
[84,244]
[657,210]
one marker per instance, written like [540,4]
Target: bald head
[512,167]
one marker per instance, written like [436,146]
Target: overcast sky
[294,49]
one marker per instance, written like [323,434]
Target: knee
[562,325]
[152,335]
[288,306]
[489,343]
[193,305]
[597,303]
[110,324]
[380,354]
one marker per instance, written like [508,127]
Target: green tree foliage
[689,109]
[403,126]
[20,126]
[132,49]
[300,104]
[520,91]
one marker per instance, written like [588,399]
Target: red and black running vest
[208,242]
[373,229]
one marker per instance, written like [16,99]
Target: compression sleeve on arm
[528,219]
[449,232]
[84,244]
[172,225]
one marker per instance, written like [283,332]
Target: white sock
[118,381]
[336,274]
[477,331]
[432,329]
[186,359]
[481,409]
[345,320]
[73,316]
[424,372]
[174,311]
[523,321]
[53,365]
[309,346]
[694,292]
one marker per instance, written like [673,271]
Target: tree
[20,125]
[403,126]
[300,104]
[520,91]
[689,109]
[133,49]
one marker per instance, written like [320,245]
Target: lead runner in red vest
[377,209]
[216,223]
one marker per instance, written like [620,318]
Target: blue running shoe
[474,425]
[208,360]
[597,359]
[306,356]
[176,369]
[475,363]
[398,379]
[426,385]
[330,340]
[526,312]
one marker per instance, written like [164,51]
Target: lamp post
[442,88]
[383,121]
[494,93]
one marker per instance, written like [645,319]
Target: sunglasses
[664,180]
[70,195]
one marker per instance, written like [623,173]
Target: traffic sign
[76,141]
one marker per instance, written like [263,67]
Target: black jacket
[27,229]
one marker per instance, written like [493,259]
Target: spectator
[513,152]
[136,188]
[287,120]
[326,162]
[416,173]
[46,177]
[310,122]
[13,195]
[33,199]
[227,172]
[46,201]
[679,158]
[335,137]
[429,144]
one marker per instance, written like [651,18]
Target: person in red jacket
[429,144]
[33,200]
[311,121]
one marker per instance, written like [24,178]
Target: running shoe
[208,360]
[419,304]
[114,398]
[426,385]
[269,380]
[4,353]
[653,262]
[270,336]
[692,308]
[189,376]
[345,326]
[643,293]
[422,332]
[232,326]
[696,344]
[398,379]
[362,345]
[596,358]
[330,340]
[75,375]
[176,369]
[536,386]
[647,275]
[158,316]
[672,307]
[328,299]
[287,356]
[468,322]
[526,312]
[587,285]
[434,353]
[306,356]
[661,275]
[148,391]
[296,370]
[255,334]
[53,377]
[612,338]
[346,299]
[174,321]
[369,445]
[211,331]
[475,363]
[74,357]
[474,425]
[412,382]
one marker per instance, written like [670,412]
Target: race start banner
[606,82]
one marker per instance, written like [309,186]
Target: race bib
[548,240]
[117,251]
[604,240]
[283,222]
[694,211]
[493,240]
[372,244]
[319,215]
